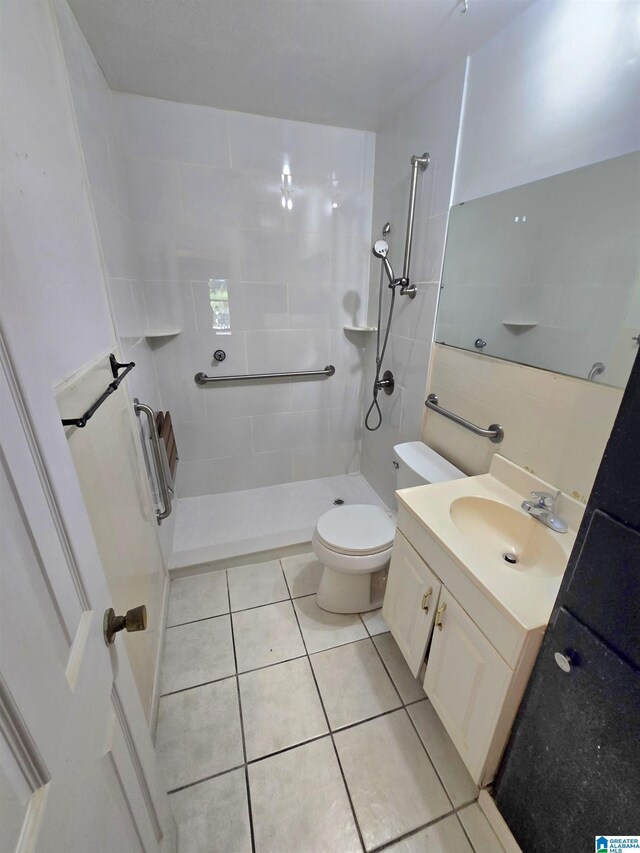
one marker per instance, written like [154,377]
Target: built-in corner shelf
[360,328]
[162,333]
[520,324]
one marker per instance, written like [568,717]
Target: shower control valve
[219,355]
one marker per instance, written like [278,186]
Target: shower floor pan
[209,528]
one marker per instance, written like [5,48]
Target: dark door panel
[576,772]
[603,590]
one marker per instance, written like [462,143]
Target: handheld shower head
[381,249]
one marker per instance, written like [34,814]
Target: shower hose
[379,355]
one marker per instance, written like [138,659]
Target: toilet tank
[416,465]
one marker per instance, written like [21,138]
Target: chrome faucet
[542,508]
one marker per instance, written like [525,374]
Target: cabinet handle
[425,599]
[439,613]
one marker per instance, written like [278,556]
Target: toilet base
[351,593]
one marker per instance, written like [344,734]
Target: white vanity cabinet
[467,682]
[478,661]
[410,602]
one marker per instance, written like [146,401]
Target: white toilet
[354,542]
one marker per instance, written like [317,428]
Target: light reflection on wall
[286,188]
[219,301]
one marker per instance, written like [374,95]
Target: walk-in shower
[381,250]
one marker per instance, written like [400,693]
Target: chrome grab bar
[494,433]
[156,446]
[203,379]
[417,163]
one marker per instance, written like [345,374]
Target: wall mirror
[548,274]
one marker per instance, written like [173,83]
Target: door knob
[566,659]
[133,620]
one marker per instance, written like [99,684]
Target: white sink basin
[479,523]
[508,538]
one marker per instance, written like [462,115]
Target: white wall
[55,313]
[428,123]
[555,89]
[205,195]
[94,112]
[95,117]
[54,304]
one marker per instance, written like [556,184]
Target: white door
[410,600]
[78,773]
[466,681]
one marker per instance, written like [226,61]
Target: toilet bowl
[354,542]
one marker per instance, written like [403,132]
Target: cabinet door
[410,600]
[466,681]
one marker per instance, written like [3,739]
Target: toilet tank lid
[426,463]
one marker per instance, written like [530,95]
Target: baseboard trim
[155,693]
[497,822]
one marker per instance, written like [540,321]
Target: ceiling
[341,62]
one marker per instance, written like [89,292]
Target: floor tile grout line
[202,619]
[405,706]
[229,612]
[286,660]
[412,832]
[464,828]
[387,670]
[402,706]
[206,779]
[290,748]
[413,726]
[333,743]
[431,761]
[200,684]
[293,746]
[258,606]
[465,805]
[330,733]
[244,744]
[455,811]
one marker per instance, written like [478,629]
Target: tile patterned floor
[285,729]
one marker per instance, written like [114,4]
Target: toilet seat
[357,530]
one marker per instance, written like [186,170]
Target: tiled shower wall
[267,222]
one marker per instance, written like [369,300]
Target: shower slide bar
[81,422]
[203,379]
[160,461]
[494,433]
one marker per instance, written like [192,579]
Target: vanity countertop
[448,511]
